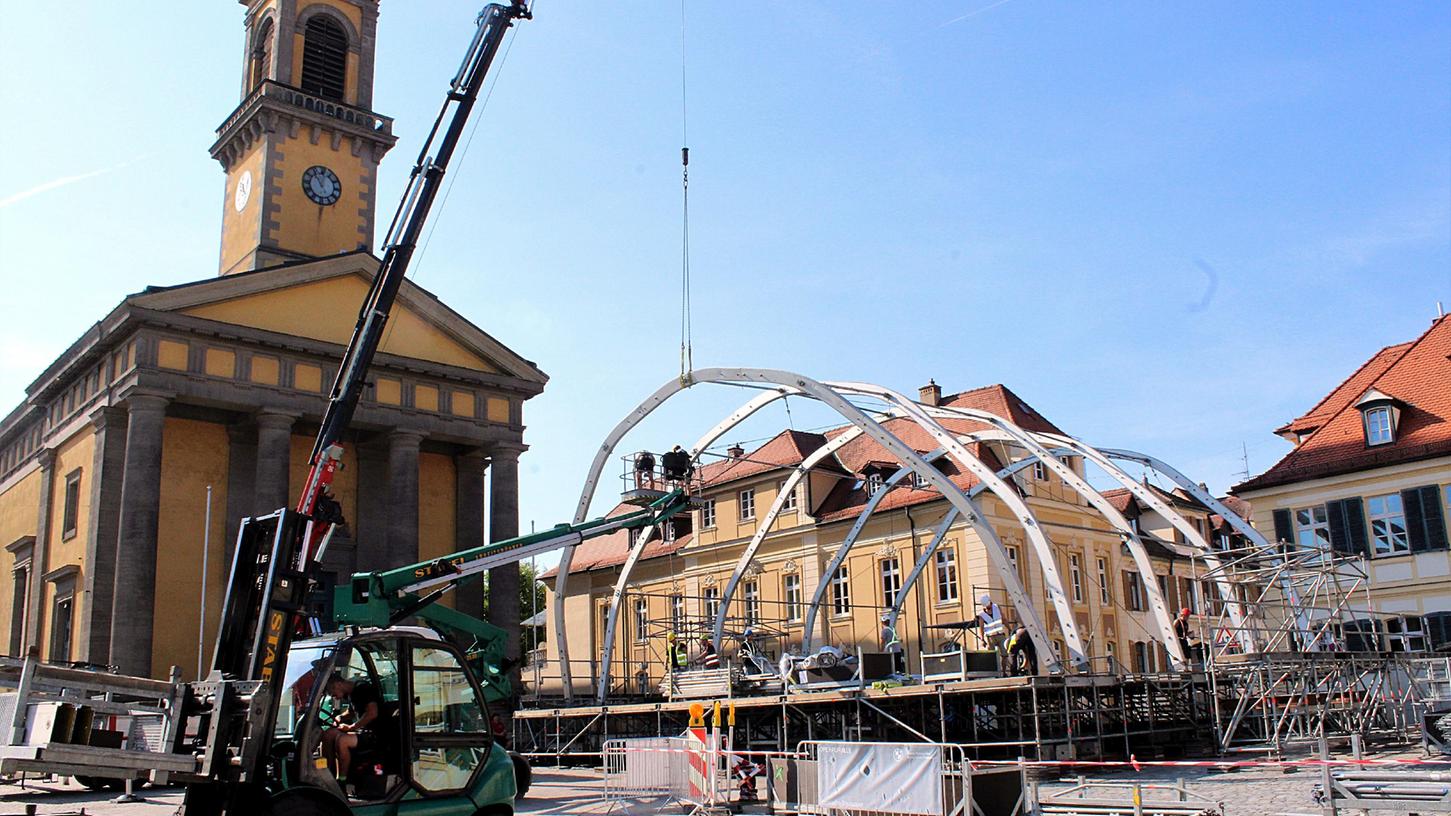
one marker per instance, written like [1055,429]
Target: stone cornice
[273,106]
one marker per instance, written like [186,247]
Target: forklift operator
[339,743]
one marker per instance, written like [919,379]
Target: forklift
[262,726]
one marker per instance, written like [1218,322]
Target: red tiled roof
[1347,392]
[848,500]
[1000,400]
[1419,376]
[785,449]
[1236,505]
[1121,499]
[612,549]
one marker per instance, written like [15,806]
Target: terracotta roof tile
[1419,377]
[611,550]
[1347,392]
[1121,499]
[786,449]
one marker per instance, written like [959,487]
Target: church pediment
[320,300]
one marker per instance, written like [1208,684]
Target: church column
[504,524]
[241,480]
[39,554]
[370,528]
[274,460]
[469,522]
[403,496]
[135,587]
[94,632]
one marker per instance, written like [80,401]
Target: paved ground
[1249,792]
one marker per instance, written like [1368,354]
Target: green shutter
[1347,526]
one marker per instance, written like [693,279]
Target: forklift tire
[523,775]
[304,801]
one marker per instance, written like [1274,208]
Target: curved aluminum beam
[616,595]
[1005,493]
[823,580]
[1177,521]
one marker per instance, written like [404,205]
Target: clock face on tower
[243,191]
[321,185]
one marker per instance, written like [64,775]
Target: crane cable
[687,363]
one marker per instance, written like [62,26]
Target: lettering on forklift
[275,622]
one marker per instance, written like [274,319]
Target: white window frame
[945,562]
[1379,429]
[791,592]
[1312,528]
[1104,596]
[710,602]
[790,502]
[1135,600]
[751,595]
[707,514]
[841,592]
[889,570]
[677,611]
[1040,471]
[642,620]
[747,503]
[1012,551]
[1075,576]
[874,483]
[1389,510]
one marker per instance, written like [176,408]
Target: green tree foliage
[532,594]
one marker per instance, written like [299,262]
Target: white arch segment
[1053,582]
[1177,521]
[616,595]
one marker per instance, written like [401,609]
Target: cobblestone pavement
[1247,792]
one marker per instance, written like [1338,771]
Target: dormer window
[874,483]
[1378,426]
[1380,413]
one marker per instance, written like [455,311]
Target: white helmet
[985,599]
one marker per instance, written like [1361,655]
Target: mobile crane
[256,723]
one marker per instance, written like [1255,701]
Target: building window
[70,518]
[60,628]
[791,590]
[1013,559]
[874,483]
[748,504]
[1378,426]
[325,58]
[1388,524]
[751,591]
[1312,528]
[946,575]
[1075,577]
[19,606]
[1040,471]
[1141,657]
[841,592]
[1103,594]
[712,603]
[677,611]
[642,620]
[1134,591]
[891,580]
[707,514]
[1406,634]
[1112,658]
[790,502]
[262,53]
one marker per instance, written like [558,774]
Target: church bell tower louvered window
[325,58]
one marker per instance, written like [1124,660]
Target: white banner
[887,778]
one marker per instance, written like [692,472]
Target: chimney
[735,451]
[930,394]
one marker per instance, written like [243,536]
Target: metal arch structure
[1239,524]
[1052,581]
[1177,521]
[793,383]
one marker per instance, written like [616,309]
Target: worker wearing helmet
[679,658]
[1181,631]
[989,621]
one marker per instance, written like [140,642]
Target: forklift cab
[431,740]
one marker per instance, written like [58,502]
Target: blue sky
[1169,227]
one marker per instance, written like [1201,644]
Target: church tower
[301,151]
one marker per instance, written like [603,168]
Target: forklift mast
[277,556]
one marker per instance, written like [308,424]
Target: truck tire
[304,801]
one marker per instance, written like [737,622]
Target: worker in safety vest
[1022,654]
[892,645]
[990,620]
[679,657]
[709,658]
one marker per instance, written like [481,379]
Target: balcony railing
[296,97]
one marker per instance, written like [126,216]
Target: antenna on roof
[1244,458]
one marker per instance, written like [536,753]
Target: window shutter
[1128,596]
[1347,526]
[1424,523]
[1284,530]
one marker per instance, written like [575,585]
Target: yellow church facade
[137,452]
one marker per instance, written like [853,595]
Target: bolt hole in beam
[775,384]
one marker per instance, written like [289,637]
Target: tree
[532,595]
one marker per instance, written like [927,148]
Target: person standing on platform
[676,466]
[1181,631]
[679,658]
[990,621]
[709,657]
[645,470]
[892,645]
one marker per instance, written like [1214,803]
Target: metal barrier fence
[917,779]
[685,769]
